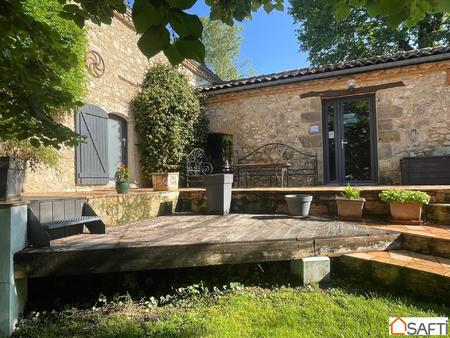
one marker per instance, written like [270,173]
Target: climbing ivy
[169,120]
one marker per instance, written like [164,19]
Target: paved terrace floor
[188,240]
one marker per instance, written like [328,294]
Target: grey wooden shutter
[92,156]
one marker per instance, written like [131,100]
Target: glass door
[117,143]
[349,141]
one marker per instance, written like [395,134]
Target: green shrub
[33,156]
[169,120]
[351,193]
[404,196]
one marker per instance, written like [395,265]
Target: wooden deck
[189,240]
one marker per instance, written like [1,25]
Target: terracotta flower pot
[350,209]
[406,213]
[165,181]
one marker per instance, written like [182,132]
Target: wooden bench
[50,219]
[276,163]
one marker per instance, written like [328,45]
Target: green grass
[244,312]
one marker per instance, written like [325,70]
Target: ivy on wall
[169,120]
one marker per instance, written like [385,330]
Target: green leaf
[185,24]
[443,5]
[173,55]
[146,15]
[181,4]
[190,48]
[154,40]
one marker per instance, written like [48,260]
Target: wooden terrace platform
[189,240]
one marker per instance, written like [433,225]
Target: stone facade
[124,70]
[411,120]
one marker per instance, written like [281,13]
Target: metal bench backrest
[197,164]
[303,166]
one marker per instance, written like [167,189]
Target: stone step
[425,239]
[437,213]
[400,271]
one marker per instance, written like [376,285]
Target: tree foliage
[165,25]
[156,19]
[222,46]
[169,120]
[42,67]
[329,40]
[395,12]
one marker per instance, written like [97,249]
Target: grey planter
[218,191]
[12,176]
[299,204]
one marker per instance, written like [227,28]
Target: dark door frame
[340,160]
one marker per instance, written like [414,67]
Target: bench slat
[71,221]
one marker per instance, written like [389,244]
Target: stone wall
[125,67]
[411,120]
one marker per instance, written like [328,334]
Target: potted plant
[121,178]
[350,205]
[15,157]
[169,121]
[405,205]
[299,204]
[165,181]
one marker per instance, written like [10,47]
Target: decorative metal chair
[276,163]
[198,164]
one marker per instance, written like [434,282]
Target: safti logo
[418,326]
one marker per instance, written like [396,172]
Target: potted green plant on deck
[405,205]
[350,204]
[121,178]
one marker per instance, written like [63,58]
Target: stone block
[311,141]
[388,136]
[384,151]
[311,269]
[385,124]
[311,117]
[387,110]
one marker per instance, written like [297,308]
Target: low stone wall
[121,209]
[271,200]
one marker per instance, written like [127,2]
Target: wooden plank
[351,91]
[198,240]
[339,246]
[162,257]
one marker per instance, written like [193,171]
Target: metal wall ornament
[95,64]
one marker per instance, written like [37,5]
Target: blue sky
[269,40]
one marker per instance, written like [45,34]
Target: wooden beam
[352,91]
[122,259]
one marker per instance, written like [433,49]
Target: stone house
[117,68]
[360,117]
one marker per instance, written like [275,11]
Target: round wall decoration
[95,64]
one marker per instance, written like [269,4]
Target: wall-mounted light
[351,84]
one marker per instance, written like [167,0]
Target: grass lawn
[233,312]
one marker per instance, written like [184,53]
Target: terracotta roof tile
[360,63]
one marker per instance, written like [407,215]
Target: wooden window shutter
[92,156]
